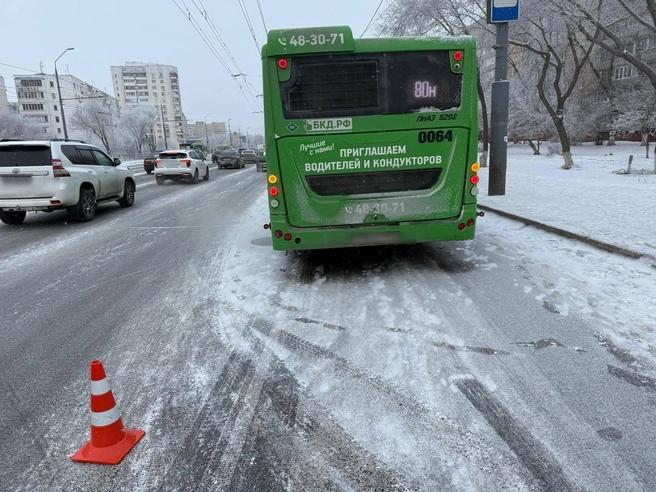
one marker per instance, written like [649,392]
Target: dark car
[260,163]
[248,156]
[149,161]
[229,158]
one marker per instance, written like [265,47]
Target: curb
[595,243]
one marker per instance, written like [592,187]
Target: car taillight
[186,161]
[156,162]
[58,169]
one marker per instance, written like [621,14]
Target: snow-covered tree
[638,113]
[98,118]
[15,126]
[528,121]
[553,40]
[625,28]
[138,121]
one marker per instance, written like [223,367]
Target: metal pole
[61,104]
[229,132]
[499,114]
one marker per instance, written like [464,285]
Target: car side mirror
[117,161]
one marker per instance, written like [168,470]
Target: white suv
[178,165]
[59,174]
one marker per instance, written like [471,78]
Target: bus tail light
[457,56]
[278,233]
[275,203]
[470,222]
[288,237]
[273,179]
[474,191]
[461,226]
[273,191]
[282,64]
[474,180]
[475,167]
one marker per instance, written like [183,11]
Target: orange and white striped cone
[110,441]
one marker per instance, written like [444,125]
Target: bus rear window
[335,86]
[370,84]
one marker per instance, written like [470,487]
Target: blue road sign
[502,10]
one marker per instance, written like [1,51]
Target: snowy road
[463,366]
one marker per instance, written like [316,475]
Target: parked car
[179,165]
[149,161]
[260,163]
[229,158]
[248,156]
[49,175]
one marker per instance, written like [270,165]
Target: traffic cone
[110,441]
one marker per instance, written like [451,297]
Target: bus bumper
[302,238]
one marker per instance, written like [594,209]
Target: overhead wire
[372,18]
[215,52]
[244,12]
[259,6]
[239,71]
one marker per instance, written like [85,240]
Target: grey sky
[111,33]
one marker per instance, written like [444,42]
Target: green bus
[369,141]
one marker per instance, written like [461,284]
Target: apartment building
[155,85]
[4,103]
[38,100]
[213,133]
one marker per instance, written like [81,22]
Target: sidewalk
[590,202]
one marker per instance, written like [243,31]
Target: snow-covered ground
[595,201]
[591,199]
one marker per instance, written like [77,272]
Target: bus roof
[335,39]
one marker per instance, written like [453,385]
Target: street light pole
[166,144]
[229,132]
[61,105]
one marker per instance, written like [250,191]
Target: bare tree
[138,122]
[450,17]
[96,118]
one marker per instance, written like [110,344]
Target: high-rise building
[4,103]
[212,134]
[155,85]
[38,100]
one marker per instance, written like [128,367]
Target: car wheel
[207,173]
[194,180]
[85,210]
[159,179]
[12,218]
[128,194]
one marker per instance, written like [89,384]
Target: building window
[55,106]
[52,84]
[56,119]
[54,96]
[624,72]
[31,83]
[32,107]
[58,130]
